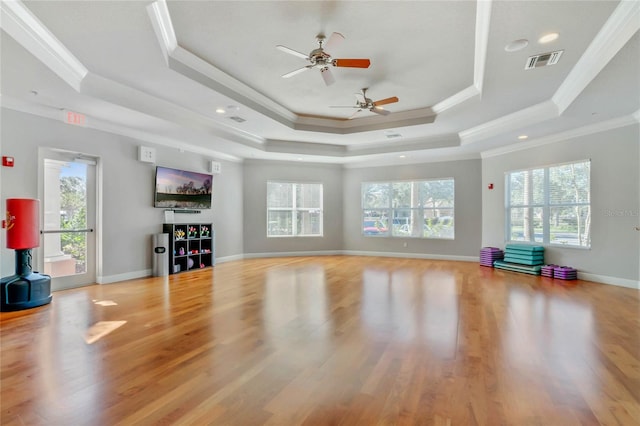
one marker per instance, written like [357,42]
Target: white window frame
[389,210]
[294,209]
[546,205]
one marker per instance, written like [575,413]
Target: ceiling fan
[362,102]
[319,58]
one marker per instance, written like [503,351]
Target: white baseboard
[229,258]
[293,254]
[603,279]
[108,279]
[412,255]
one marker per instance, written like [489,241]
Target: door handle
[62,231]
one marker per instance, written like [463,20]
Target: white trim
[108,279]
[483,20]
[163,27]
[623,23]
[604,279]
[425,256]
[525,117]
[460,97]
[232,258]
[602,126]
[26,29]
[293,254]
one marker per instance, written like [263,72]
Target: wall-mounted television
[182,189]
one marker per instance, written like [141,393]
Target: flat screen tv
[181,189]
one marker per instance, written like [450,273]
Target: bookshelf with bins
[191,246]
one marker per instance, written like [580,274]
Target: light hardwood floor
[327,341]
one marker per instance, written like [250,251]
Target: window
[418,209]
[294,209]
[550,205]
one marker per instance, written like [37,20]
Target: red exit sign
[75,118]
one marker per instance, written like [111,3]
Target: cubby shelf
[191,246]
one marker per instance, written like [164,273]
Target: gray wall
[468,203]
[256,175]
[615,202]
[129,218]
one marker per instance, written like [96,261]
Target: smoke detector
[543,60]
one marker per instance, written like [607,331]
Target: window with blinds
[294,209]
[412,209]
[550,205]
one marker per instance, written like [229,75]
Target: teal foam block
[525,256]
[533,270]
[530,262]
[526,248]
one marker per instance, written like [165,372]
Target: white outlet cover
[216,168]
[146,154]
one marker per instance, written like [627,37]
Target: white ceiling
[158,70]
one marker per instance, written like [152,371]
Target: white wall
[468,212]
[129,218]
[615,202]
[239,208]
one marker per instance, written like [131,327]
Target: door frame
[72,281]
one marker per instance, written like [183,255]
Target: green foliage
[74,207]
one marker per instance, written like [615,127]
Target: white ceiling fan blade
[381,111]
[292,52]
[340,106]
[298,71]
[334,41]
[327,76]
[354,114]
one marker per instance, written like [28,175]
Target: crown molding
[483,20]
[623,23]
[525,117]
[162,26]
[191,66]
[602,126]
[26,29]
[94,123]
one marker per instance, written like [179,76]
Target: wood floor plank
[344,340]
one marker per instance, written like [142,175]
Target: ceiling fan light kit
[362,103]
[320,58]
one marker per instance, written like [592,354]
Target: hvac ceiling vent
[237,119]
[393,135]
[543,60]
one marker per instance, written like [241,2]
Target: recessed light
[548,38]
[522,137]
[220,110]
[516,45]
[402,156]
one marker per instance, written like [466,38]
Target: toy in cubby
[179,234]
[204,231]
[181,251]
[193,232]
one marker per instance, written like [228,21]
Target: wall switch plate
[216,168]
[146,154]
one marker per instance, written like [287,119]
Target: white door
[68,245]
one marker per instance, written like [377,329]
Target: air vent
[543,60]
[393,135]
[237,119]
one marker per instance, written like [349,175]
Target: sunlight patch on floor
[101,329]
